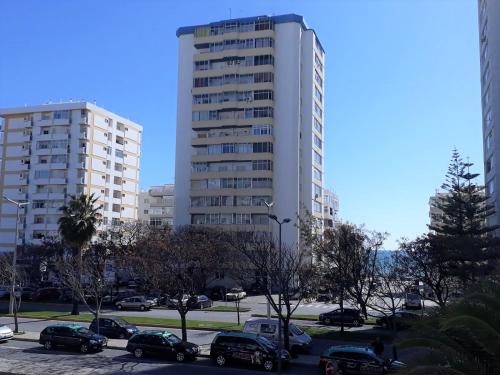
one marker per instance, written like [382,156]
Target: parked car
[268,328]
[5,333]
[135,303]
[402,319]
[115,297]
[163,344]
[349,316]
[114,327]
[248,348]
[173,301]
[358,360]
[235,294]
[324,297]
[4,292]
[412,301]
[46,294]
[72,336]
[27,293]
[157,298]
[200,302]
[216,293]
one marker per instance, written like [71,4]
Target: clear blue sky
[402,85]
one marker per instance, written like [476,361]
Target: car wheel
[138,353]
[47,345]
[142,308]
[268,365]
[220,360]
[180,357]
[121,336]
[331,368]
[84,348]
[328,321]
[119,307]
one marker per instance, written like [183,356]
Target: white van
[299,340]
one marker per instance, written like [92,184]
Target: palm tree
[77,226]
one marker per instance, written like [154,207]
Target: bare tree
[93,282]
[7,271]
[390,287]
[293,280]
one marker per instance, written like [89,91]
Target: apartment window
[318,79]
[119,153]
[317,125]
[202,65]
[61,114]
[263,25]
[316,191]
[488,119]
[155,221]
[263,60]
[317,141]
[243,183]
[262,147]
[109,150]
[262,183]
[262,95]
[491,187]
[116,208]
[242,219]
[263,42]
[262,129]
[317,174]
[197,219]
[42,174]
[318,63]
[200,82]
[117,180]
[262,112]
[46,115]
[38,204]
[243,201]
[263,77]
[489,165]
[317,158]
[318,94]
[262,165]
[489,140]
[119,140]
[317,207]
[318,110]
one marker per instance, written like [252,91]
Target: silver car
[5,333]
[136,303]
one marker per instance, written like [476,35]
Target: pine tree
[462,227]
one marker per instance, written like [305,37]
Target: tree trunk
[16,323]
[286,334]
[237,302]
[342,310]
[78,275]
[183,325]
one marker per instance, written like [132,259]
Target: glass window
[317,141]
[268,328]
[317,174]
[317,158]
[317,207]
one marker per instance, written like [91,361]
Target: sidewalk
[117,344]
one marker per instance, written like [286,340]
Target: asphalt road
[20,357]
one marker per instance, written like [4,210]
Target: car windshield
[266,343]
[82,330]
[121,321]
[295,330]
[173,339]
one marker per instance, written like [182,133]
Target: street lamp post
[14,258]
[286,220]
[268,276]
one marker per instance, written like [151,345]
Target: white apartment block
[330,208]
[249,124]
[52,151]
[156,206]
[489,37]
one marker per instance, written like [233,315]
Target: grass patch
[137,320]
[346,335]
[227,309]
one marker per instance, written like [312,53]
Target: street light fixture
[14,258]
[280,223]
[268,276]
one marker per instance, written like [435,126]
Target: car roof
[156,332]
[262,320]
[67,325]
[238,334]
[350,349]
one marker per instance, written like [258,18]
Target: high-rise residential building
[489,41]
[436,214]
[249,123]
[330,208]
[156,206]
[52,151]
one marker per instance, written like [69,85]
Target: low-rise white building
[52,151]
[156,206]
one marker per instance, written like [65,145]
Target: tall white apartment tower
[249,124]
[489,37]
[52,151]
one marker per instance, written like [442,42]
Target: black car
[72,336]
[114,327]
[358,360]
[247,348]
[161,344]
[402,320]
[200,302]
[348,316]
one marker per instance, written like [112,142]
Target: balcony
[52,136]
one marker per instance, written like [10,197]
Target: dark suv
[73,336]
[114,327]
[161,344]
[247,348]
[358,360]
[349,316]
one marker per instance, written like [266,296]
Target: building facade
[330,208]
[249,124]
[489,40]
[156,206]
[52,151]
[435,214]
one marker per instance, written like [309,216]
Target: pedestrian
[378,347]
